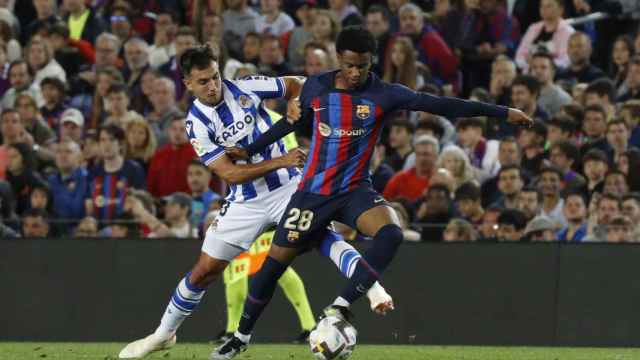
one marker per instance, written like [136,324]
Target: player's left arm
[453,108]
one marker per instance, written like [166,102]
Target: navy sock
[374,262]
[262,287]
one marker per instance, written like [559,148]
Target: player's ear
[187,83]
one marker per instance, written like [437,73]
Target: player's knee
[206,271]
[391,234]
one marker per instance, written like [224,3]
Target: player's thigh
[234,230]
[305,214]
[367,211]
[279,202]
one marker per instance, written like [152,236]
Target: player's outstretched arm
[241,173]
[452,108]
[293,86]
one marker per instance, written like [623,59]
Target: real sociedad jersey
[347,124]
[239,119]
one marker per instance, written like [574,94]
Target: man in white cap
[72,125]
[540,228]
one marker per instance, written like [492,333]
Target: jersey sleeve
[201,139]
[264,87]
[451,108]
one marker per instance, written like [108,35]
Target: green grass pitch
[109,351]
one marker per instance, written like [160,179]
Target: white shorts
[235,231]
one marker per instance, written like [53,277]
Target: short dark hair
[569,149]
[377,9]
[114,131]
[468,191]
[551,169]
[596,108]
[528,81]
[602,87]
[564,122]
[575,192]
[610,196]
[118,87]
[186,31]
[616,121]
[509,167]
[539,128]
[440,187]
[35,213]
[431,123]
[575,111]
[464,123]
[59,28]
[55,82]
[404,123]
[545,55]
[615,171]
[595,155]
[8,111]
[196,162]
[357,39]
[531,189]
[513,217]
[199,57]
[20,62]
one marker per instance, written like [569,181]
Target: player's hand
[295,158]
[517,117]
[293,110]
[236,153]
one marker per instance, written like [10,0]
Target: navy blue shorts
[308,215]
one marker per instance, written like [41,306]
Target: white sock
[183,302]
[345,257]
[340,301]
[244,338]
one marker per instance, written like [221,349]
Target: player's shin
[183,302]
[260,292]
[375,261]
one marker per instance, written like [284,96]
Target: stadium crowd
[93,106]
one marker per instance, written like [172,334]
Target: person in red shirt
[411,184]
[168,168]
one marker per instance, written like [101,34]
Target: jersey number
[302,218]
[224,208]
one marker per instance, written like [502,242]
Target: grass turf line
[109,351]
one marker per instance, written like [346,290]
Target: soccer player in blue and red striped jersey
[345,109]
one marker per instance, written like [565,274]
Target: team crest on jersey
[244,101]
[293,236]
[363,111]
[324,129]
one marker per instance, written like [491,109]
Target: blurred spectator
[432,50]
[325,31]
[602,92]
[377,21]
[550,34]
[346,13]
[617,138]
[21,80]
[185,39]
[503,72]
[575,211]
[630,112]
[21,174]
[163,47]
[457,162]
[69,185]
[124,226]
[436,126]
[595,166]
[550,185]
[70,54]
[552,97]
[141,141]
[540,228]
[238,19]
[272,59]
[46,16]
[631,209]
[88,227]
[272,20]
[467,200]
[532,141]
[510,183]
[111,178]
[32,121]
[482,152]
[434,210]
[41,199]
[631,88]
[300,35]
[560,127]
[580,69]
[400,143]
[402,67]
[381,172]
[199,178]
[509,153]
[620,230]
[316,61]
[53,93]
[92,105]
[83,22]
[117,104]
[176,214]
[525,91]
[72,125]
[564,155]
[511,225]
[251,48]
[35,224]
[489,226]
[594,128]
[120,22]
[628,161]
[41,61]
[615,182]
[163,107]
[408,233]
[529,202]
[607,207]
[459,230]
[411,184]
[168,168]
[136,55]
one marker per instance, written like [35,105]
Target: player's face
[354,67]
[205,84]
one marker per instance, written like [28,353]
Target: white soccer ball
[333,338]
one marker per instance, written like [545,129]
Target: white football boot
[381,302]
[141,348]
